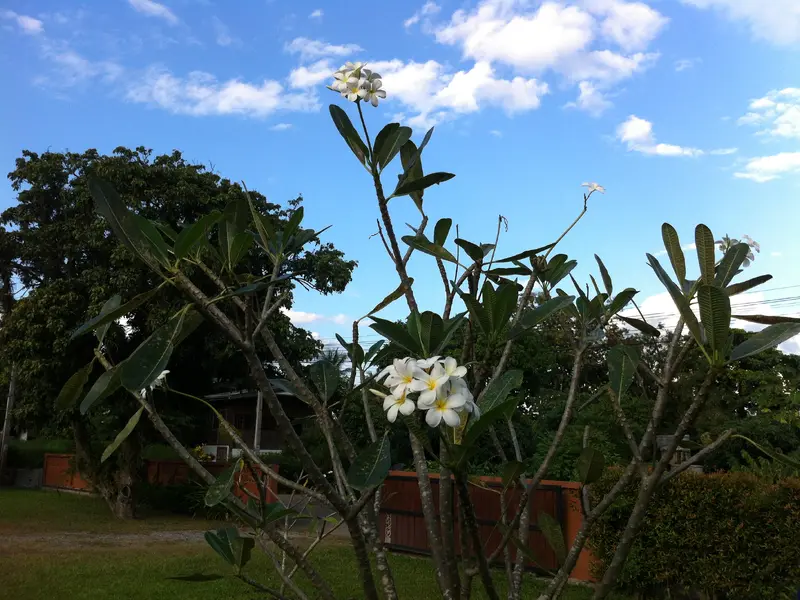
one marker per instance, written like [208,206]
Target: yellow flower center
[407,379]
[441,404]
[431,384]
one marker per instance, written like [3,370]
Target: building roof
[281,387]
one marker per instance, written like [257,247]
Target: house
[244,409]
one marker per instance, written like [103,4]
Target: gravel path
[75,540]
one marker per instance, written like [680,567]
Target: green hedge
[30,453]
[727,535]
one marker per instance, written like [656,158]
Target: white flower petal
[391,414]
[388,402]
[455,401]
[433,417]
[451,417]
[407,407]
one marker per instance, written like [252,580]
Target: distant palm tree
[337,357]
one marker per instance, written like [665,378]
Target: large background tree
[63,254]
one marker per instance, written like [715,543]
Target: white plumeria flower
[397,402]
[378,393]
[402,375]
[374,93]
[427,363]
[445,407]
[452,369]
[353,66]
[594,187]
[158,382]
[472,408]
[429,384]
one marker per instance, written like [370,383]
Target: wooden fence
[60,473]
[403,526]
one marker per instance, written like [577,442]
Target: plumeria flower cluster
[437,384]
[158,382]
[355,82]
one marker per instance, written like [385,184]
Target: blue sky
[687,111]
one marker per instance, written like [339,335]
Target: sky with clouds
[687,111]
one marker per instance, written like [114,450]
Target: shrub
[183,499]
[29,454]
[728,535]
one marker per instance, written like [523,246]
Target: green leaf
[218,540]
[192,234]
[604,274]
[412,168]
[73,388]
[512,471]
[475,252]
[525,254]
[421,184]
[715,314]
[551,531]
[122,435]
[673,246]
[373,351]
[111,304]
[264,228]
[679,299]
[532,317]
[221,488]
[704,240]
[388,143]
[107,317]
[774,454]
[395,333]
[509,271]
[258,286]
[426,329]
[149,243]
[109,205]
[413,157]
[738,288]
[349,133]
[423,244]
[147,362]
[478,314]
[767,319]
[591,465]
[371,466]
[238,247]
[642,326]
[730,263]
[505,303]
[623,360]
[326,378]
[441,230]
[765,339]
[450,327]
[499,388]
[477,427]
[106,384]
[395,295]
[558,268]
[621,300]
[293,225]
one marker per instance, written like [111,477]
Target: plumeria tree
[447,397]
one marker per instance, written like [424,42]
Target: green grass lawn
[147,570]
[37,511]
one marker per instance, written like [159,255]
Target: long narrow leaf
[533,317]
[642,326]
[421,184]
[715,314]
[738,288]
[106,384]
[349,133]
[765,339]
[122,435]
[730,263]
[679,299]
[672,244]
[704,240]
[604,274]
[767,319]
[395,295]
[73,388]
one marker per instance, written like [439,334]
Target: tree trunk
[12,393]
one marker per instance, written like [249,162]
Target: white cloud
[436,96]
[496,133]
[590,99]
[685,64]
[281,127]
[767,168]
[201,94]
[71,68]
[423,14]
[631,25]
[777,114]
[299,317]
[637,134]
[27,25]
[314,74]
[316,14]
[777,21]
[724,151]
[223,34]
[151,8]
[310,49]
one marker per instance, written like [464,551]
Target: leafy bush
[29,454]
[181,499]
[728,535]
